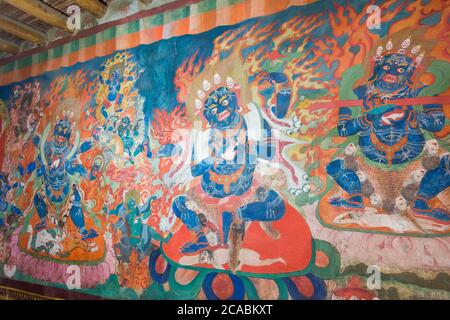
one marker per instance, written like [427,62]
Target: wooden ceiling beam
[41,11]
[96,7]
[21,30]
[9,47]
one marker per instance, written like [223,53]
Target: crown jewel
[208,87]
[403,49]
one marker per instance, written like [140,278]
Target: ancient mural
[283,157]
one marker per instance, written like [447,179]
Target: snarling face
[61,134]
[393,72]
[221,109]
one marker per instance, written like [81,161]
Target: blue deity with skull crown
[227,170]
[56,165]
[391,134]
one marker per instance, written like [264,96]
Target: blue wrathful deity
[390,134]
[56,164]
[227,170]
[114,96]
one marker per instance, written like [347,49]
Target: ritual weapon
[379,102]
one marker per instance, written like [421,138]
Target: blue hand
[87,145]
[276,77]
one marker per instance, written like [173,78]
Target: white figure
[212,238]
[44,237]
[221,256]
[371,218]
[417,176]
[350,149]
[217,79]
[376,200]
[432,147]
[362,176]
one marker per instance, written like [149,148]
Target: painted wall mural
[282,157]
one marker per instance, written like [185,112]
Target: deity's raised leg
[41,209]
[76,214]
[271,208]
[192,222]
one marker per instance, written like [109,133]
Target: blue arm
[86,146]
[121,210]
[138,150]
[199,169]
[169,150]
[348,126]
[148,204]
[283,94]
[20,169]
[16,210]
[432,118]
[39,165]
[40,171]
[74,168]
[146,207]
[31,167]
